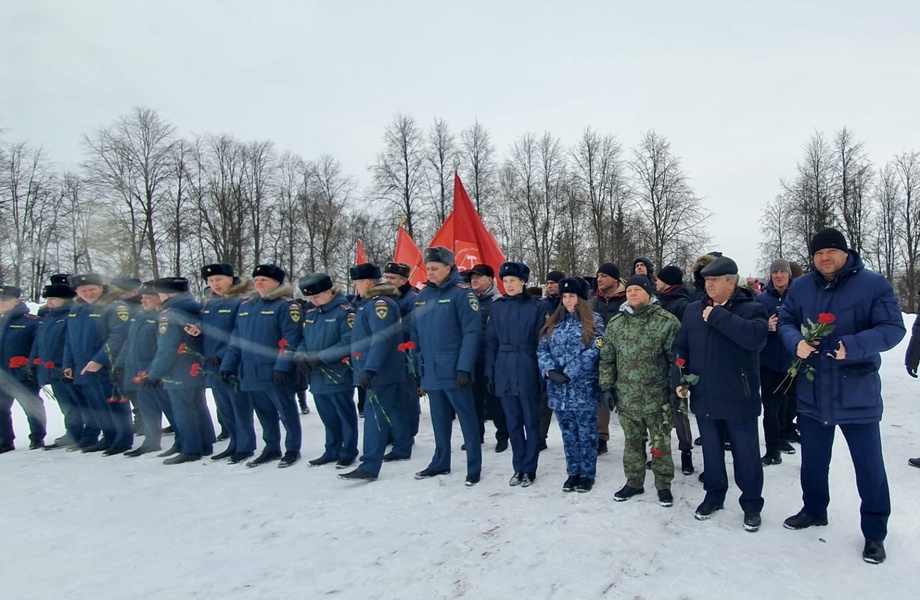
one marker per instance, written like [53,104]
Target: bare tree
[853,179]
[887,222]
[258,183]
[598,174]
[443,160]
[399,175]
[907,170]
[479,166]
[776,228]
[326,200]
[810,195]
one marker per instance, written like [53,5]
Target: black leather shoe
[171,451]
[323,460]
[6,448]
[705,510]
[239,457]
[344,464]
[501,446]
[543,446]
[428,473]
[288,459]
[601,447]
[390,457]
[914,462]
[528,479]
[94,448]
[751,521]
[357,475]
[801,520]
[264,458]
[516,479]
[626,492]
[113,451]
[874,552]
[585,484]
[223,435]
[571,483]
[223,455]
[472,479]
[772,457]
[207,450]
[182,458]
[58,445]
[141,450]
[36,445]
[786,448]
[168,430]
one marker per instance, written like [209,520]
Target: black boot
[686,463]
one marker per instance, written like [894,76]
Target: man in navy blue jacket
[720,340]
[17,378]
[397,274]
[846,390]
[446,328]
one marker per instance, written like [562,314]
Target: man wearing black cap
[48,356]
[445,329]
[610,296]
[325,342]
[719,341]
[552,290]
[218,316]
[96,329]
[643,266]
[397,275]
[482,281]
[845,388]
[265,337]
[17,377]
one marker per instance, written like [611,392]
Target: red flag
[472,242]
[408,253]
[361,255]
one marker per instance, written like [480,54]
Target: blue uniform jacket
[218,317]
[774,355]
[266,335]
[178,357]
[49,344]
[566,350]
[485,308]
[139,350]
[725,352]
[376,337]
[446,328]
[95,332]
[512,335]
[17,335]
[868,322]
[406,301]
[327,335]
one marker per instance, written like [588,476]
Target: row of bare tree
[876,207]
[147,202]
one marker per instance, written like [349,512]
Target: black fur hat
[271,271]
[314,283]
[57,290]
[217,269]
[364,271]
[171,285]
[401,269]
[126,283]
[149,288]
[10,291]
[514,269]
[439,254]
[575,285]
[76,281]
[60,279]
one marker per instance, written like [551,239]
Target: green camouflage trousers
[634,453]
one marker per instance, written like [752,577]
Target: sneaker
[571,483]
[585,484]
[344,464]
[601,447]
[686,463]
[322,460]
[429,473]
[874,552]
[472,479]
[501,446]
[264,458]
[357,475]
[801,520]
[516,479]
[751,521]
[665,498]
[914,462]
[705,510]
[288,459]
[785,447]
[239,457]
[772,457]
[528,479]
[626,492]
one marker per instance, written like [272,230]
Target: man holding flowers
[837,320]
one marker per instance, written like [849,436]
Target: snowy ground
[86,526]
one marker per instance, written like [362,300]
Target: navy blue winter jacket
[774,355]
[17,334]
[48,349]
[376,337]
[512,335]
[95,332]
[139,350]
[327,336]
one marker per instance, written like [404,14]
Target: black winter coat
[675,301]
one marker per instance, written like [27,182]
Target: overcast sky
[737,89]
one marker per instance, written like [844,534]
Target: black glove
[557,376]
[365,379]
[280,378]
[302,362]
[314,362]
[490,386]
[912,371]
[463,379]
[227,376]
[610,398]
[212,361]
[152,383]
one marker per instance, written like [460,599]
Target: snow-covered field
[87,526]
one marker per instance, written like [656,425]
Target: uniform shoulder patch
[122,312]
[295,312]
[163,325]
[599,342]
[350,319]
[474,303]
[381,309]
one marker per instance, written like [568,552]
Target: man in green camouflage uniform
[635,366]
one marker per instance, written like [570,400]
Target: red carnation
[113,400]
[181,349]
[195,370]
[18,361]
[37,361]
[826,318]
[402,347]
[655,452]
[49,365]
[680,362]
[140,377]
[357,355]
[346,360]
[410,345]
[283,343]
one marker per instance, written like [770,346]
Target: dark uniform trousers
[33,407]
[865,443]
[381,417]
[149,403]
[775,406]
[745,442]
[488,405]
[235,409]
[70,408]
[461,401]
[522,416]
[272,404]
[340,420]
[113,419]
[195,430]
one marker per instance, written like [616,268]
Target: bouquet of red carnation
[407,348]
[812,333]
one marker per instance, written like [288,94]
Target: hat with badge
[10,292]
[439,254]
[514,269]
[76,281]
[314,283]
[58,290]
[60,279]
[395,268]
[364,271]
[126,283]
[171,285]
[149,288]
[271,271]
[217,269]
[575,285]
